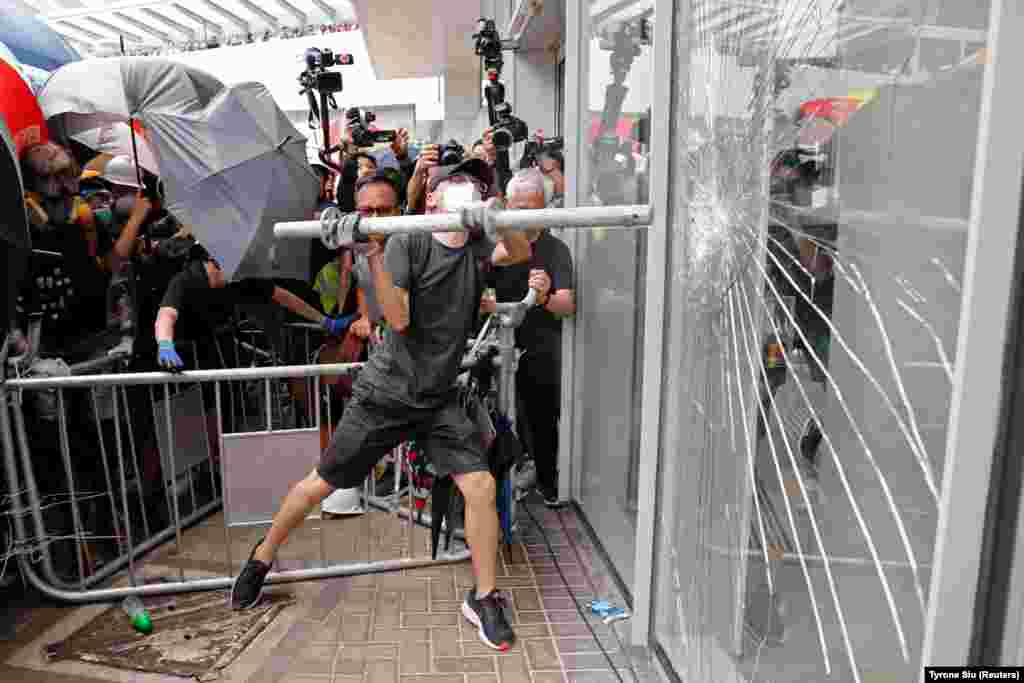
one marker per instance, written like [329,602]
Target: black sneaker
[488,615]
[247,589]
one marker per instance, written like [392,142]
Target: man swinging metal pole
[429,287]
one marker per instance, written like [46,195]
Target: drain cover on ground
[194,636]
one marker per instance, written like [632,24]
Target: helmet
[344,502]
[121,171]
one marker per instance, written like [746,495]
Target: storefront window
[818,244]
[615,113]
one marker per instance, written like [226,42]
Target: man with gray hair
[539,378]
[429,287]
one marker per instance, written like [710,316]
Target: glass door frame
[984,318]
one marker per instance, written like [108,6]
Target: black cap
[476,168]
[381,175]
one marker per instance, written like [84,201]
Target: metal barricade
[249,495]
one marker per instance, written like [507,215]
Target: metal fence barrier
[249,495]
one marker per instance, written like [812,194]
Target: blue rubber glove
[336,327]
[168,358]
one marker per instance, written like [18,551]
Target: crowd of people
[114,273]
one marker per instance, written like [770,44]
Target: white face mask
[458,195]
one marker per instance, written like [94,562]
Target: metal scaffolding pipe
[341,229]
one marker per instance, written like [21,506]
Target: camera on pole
[317,80]
[506,129]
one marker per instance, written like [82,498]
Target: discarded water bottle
[136,611]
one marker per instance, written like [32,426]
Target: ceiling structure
[89,24]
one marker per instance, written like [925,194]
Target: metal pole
[634,216]
[154,378]
[76,516]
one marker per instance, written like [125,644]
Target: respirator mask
[459,195]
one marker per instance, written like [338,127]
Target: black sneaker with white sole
[247,589]
[488,615]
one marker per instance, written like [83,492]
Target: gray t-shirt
[419,366]
[364,280]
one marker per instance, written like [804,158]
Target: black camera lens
[502,139]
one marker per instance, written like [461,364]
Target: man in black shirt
[539,377]
[429,287]
[200,295]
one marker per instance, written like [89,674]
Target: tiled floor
[401,627]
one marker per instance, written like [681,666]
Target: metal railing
[27,503]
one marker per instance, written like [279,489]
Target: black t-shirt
[202,308]
[70,289]
[540,335]
[418,367]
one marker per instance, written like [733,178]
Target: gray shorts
[374,424]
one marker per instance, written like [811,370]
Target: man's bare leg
[482,527]
[303,497]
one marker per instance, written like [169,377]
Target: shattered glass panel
[819,227]
[611,284]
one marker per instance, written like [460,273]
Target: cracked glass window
[818,238]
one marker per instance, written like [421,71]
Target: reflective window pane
[828,174]
[617,87]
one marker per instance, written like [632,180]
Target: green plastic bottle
[136,611]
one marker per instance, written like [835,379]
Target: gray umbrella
[234,174]
[231,162]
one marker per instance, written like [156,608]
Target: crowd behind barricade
[119,283]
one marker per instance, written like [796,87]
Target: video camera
[359,128]
[317,77]
[539,147]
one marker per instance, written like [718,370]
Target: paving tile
[526,599]
[564,617]
[464,664]
[559,603]
[415,601]
[435,678]
[574,630]
[400,635]
[572,646]
[292,677]
[428,620]
[445,642]
[481,678]
[514,669]
[442,589]
[541,655]
[591,661]
[354,628]
[443,606]
[591,677]
[349,667]
[367,652]
[527,617]
[382,671]
[314,659]
[548,677]
[532,631]
[414,658]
